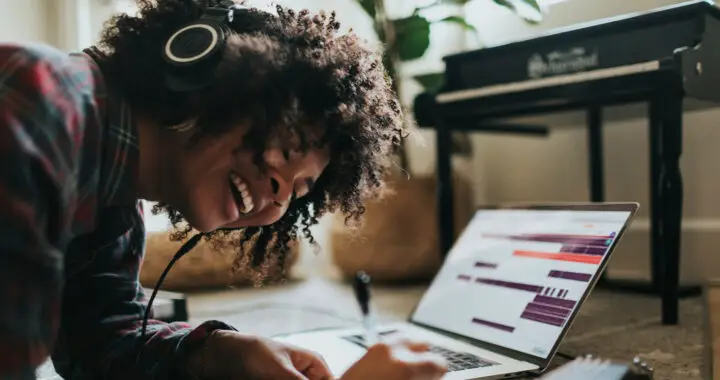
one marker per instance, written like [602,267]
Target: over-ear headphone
[193,51]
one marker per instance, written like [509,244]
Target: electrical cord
[189,245]
[186,247]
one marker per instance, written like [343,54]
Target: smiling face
[217,184]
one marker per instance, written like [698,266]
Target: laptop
[506,294]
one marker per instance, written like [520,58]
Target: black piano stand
[666,197]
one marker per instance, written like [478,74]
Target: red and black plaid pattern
[72,234]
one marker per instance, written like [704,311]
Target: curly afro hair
[278,71]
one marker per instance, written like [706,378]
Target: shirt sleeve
[103,311]
[36,157]
[90,323]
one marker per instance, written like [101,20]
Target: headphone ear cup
[194,43]
[193,52]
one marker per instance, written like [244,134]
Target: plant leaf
[457,2]
[412,37]
[430,82]
[505,3]
[537,10]
[460,21]
[368,6]
[533,4]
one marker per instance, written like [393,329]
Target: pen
[361,286]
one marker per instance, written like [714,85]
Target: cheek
[211,158]
[270,215]
[318,161]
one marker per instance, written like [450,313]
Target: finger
[310,363]
[429,364]
[318,370]
[318,373]
[411,344]
[291,374]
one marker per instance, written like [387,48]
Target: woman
[241,124]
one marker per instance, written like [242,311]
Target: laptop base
[340,350]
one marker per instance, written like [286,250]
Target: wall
[505,168]
[24,21]
[555,168]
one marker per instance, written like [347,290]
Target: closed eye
[309,183]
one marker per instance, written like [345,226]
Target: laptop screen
[515,276]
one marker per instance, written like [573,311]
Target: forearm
[30,264]
[168,351]
[26,335]
[102,330]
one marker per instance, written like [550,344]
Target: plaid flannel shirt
[72,234]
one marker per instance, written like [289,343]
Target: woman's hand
[401,360]
[231,355]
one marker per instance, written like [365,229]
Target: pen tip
[362,277]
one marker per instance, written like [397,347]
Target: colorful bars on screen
[572,244]
[586,249]
[552,292]
[575,276]
[494,325]
[546,291]
[511,285]
[548,310]
[568,304]
[571,257]
[542,318]
[566,239]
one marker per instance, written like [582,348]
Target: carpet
[711,299]
[621,326]
[611,325]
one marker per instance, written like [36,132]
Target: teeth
[242,188]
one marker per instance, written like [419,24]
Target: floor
[609,325]
[616,326]
[712,299]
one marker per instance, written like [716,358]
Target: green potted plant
[398,241]
[408,38]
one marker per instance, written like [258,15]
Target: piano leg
[596,166]
[595,158]
[445,204]
[666,197]
[595,153]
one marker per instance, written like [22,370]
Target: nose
[282,190]
[282,177]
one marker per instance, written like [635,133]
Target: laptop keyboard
[457,361]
